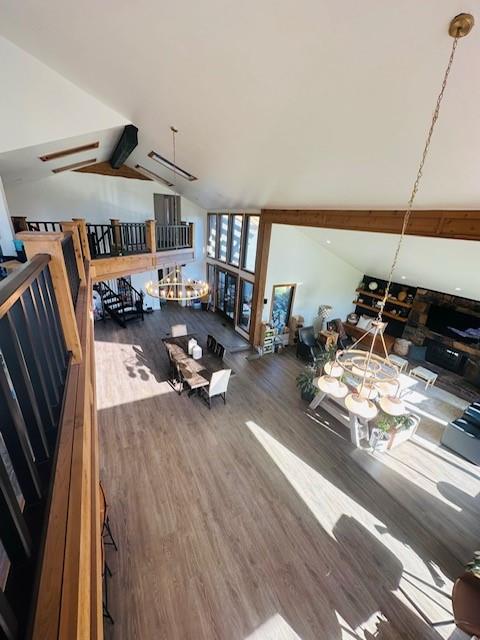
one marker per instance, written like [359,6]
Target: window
[222,236]
[251,234]
[236,240]
[282,299]
[212,235]
[245,305]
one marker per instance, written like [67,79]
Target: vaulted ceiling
[293,104]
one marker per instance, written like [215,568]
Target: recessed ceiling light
[404,277]
[329,242]
[458,289]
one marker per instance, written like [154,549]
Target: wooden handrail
[19,280]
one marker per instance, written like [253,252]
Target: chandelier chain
[408,211]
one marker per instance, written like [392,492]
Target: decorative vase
[402,296]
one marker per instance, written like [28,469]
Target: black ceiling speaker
[127,143]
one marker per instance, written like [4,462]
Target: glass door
[226,293]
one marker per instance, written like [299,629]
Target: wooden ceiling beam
[460,225]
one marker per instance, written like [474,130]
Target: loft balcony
[121,248]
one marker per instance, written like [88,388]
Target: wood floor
[259,521]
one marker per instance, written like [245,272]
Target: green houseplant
[474,565]
[304,382]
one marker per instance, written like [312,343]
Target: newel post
[51,243]
[82,230]
[150,236]
[73,226]
[117,234]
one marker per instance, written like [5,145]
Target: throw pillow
[364,323]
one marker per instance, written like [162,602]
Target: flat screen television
[463,327]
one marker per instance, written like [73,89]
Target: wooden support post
[261,264]
[117,237]
[192,235]
[19,223]
[73,226]
[151,237]
[82,229]
[51,243]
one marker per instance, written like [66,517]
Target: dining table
[195,373]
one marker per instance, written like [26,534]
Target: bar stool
[107,535]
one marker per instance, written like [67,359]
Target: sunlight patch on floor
[420,579]
[129,358]
[275,628]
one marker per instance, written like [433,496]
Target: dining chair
[178,330]
[211,343]
[218,386]
[220,350]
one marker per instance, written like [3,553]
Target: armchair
[307,346]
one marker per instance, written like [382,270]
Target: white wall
[97,199]
[321,277]
[6,230]
[39,105]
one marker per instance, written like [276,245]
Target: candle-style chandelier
[174,287]
[376,374]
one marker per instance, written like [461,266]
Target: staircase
[120,300]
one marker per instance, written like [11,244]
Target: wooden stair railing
[68,586]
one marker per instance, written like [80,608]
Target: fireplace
[444,356]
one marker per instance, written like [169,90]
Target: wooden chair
[178,330]
[105,519]
[217,386]
[220,350]
[466,604]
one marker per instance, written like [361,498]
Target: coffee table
[401,363]
[425,375]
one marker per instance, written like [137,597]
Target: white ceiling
[23,165]
[293,104]
[433,263]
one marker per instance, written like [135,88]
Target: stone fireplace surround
[417,331]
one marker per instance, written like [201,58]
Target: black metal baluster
[33,363]
[8,622]
[16,440]
[20,377]
[45,282]
[49,333]
[38,340]
[48,339]
[16,538]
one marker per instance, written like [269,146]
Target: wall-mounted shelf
[389,301]
[387,314]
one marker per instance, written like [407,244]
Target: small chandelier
[376,374]
[174,287]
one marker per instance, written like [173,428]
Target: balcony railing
[113,239]
[50,531]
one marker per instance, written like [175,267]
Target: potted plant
[474,565]
[305,383]
[390,431]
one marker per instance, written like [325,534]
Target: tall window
[222,237]
[251,236]
[212,235]
[245,309]
[236,240]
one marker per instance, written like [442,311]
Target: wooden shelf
[387,314]
[389,301]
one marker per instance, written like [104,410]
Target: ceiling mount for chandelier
[376,374]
